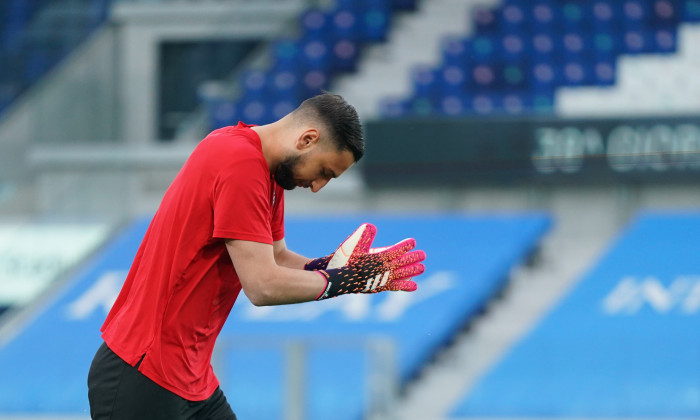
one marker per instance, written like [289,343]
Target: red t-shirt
[182,284]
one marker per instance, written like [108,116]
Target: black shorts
[118,391]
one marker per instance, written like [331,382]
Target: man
[219,230]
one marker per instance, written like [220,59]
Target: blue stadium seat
[223,113]
[604,72]
[315,24]
[314,82]
[344,55]
[454,51]
[375,21]
[486,20]
[663,14]
[514,19]
[284,85]
[453,105]
[513,47]
[255,82]
[255,112]
[484,78]
[665,40]
[544,15]
[315,54]
[606,44]
[451,80]
[345,24]
[281,108]
[423,78]
[286,54]
[542,45]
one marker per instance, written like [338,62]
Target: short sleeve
[241,202]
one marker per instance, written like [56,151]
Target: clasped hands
[356,267]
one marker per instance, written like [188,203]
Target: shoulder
[238,138]
[232,145]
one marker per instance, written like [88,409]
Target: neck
[270,147]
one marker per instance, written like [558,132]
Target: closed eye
[328,174]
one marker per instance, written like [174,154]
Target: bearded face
[284,174]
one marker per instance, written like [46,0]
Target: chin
[288,186]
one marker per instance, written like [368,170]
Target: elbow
[258,299]
[260,295]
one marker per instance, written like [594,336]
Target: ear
[308,139]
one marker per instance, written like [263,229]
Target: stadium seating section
[622,344]
[469,260]
[328,42]
[37,34]
[518,54]
[522,51]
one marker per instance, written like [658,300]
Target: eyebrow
[333,175]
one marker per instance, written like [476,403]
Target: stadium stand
[521,58]
[517,59]
[35,35]
[326,43]
[522,52]
[647,84]
[621,344]
[471,258]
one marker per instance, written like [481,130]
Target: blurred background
[545,154]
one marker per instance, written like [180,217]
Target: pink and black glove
[345,249]
[318,263]
[357,268]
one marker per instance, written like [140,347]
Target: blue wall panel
[625,342]
[44,367]
[469,259]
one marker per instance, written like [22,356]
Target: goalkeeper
[219,230]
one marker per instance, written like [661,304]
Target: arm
[267,282]
[351,269]
[288,258]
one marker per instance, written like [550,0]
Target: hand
[343,252]
[318,263]
[357,268]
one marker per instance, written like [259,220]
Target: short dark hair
[339,117]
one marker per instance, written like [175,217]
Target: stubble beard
[284,174]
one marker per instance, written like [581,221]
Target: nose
[317,184]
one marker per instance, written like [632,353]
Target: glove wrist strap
[325,293]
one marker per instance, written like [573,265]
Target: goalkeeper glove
[356,268]
[342,254]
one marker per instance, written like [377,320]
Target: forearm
[290,259]
[274,275]
[283,285]
[266,280]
